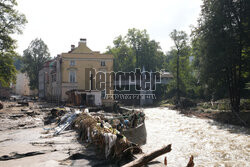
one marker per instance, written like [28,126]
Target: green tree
[18,63]
[223,33]
[33,59]
[136,50]
[147,52]
[124,58]
[11,22]
[180,50]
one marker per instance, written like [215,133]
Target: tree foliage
[136,50]
[11,22]
[222,46]
[33,59]
[18,62]
[180,51]
[179,62]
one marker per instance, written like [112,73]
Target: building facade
[67,71]
[21,87]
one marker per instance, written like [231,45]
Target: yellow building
[67,71]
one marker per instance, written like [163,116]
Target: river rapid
[211,143]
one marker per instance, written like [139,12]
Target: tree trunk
[178,79]
[233,83]
[149,157]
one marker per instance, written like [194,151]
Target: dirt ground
[26,141]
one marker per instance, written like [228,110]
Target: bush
[187,103]
[245,104]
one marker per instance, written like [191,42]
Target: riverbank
[217,112]
[226,117]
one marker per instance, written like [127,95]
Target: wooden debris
[165,161]
[1,106]
[191,162]
[23,103]
[148,157]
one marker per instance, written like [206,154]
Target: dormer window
[72,63]
[103,63]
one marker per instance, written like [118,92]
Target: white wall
[98,99]
[22,85]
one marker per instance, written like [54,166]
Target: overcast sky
[61,23]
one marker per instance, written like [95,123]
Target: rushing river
[211,143]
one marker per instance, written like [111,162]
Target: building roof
[83,51]
[82,48]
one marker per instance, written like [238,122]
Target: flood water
[211,143]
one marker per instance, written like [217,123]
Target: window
[72,63]
[103,93]
[53,77]
[72,76]
[103,63]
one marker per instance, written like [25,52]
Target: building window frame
[72,76]
[103,63]
[103,94]
[72,63]
[53,77]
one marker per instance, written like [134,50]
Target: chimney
[83,41]
[72,47]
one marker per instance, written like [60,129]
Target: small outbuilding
[78,97]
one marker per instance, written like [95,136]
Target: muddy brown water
[211,143]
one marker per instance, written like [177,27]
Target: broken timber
[191,162]
[148,157]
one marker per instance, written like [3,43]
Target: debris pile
[66,121]
[129,122]
[124,120]
[108,139]
[56,114]
[16,116]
